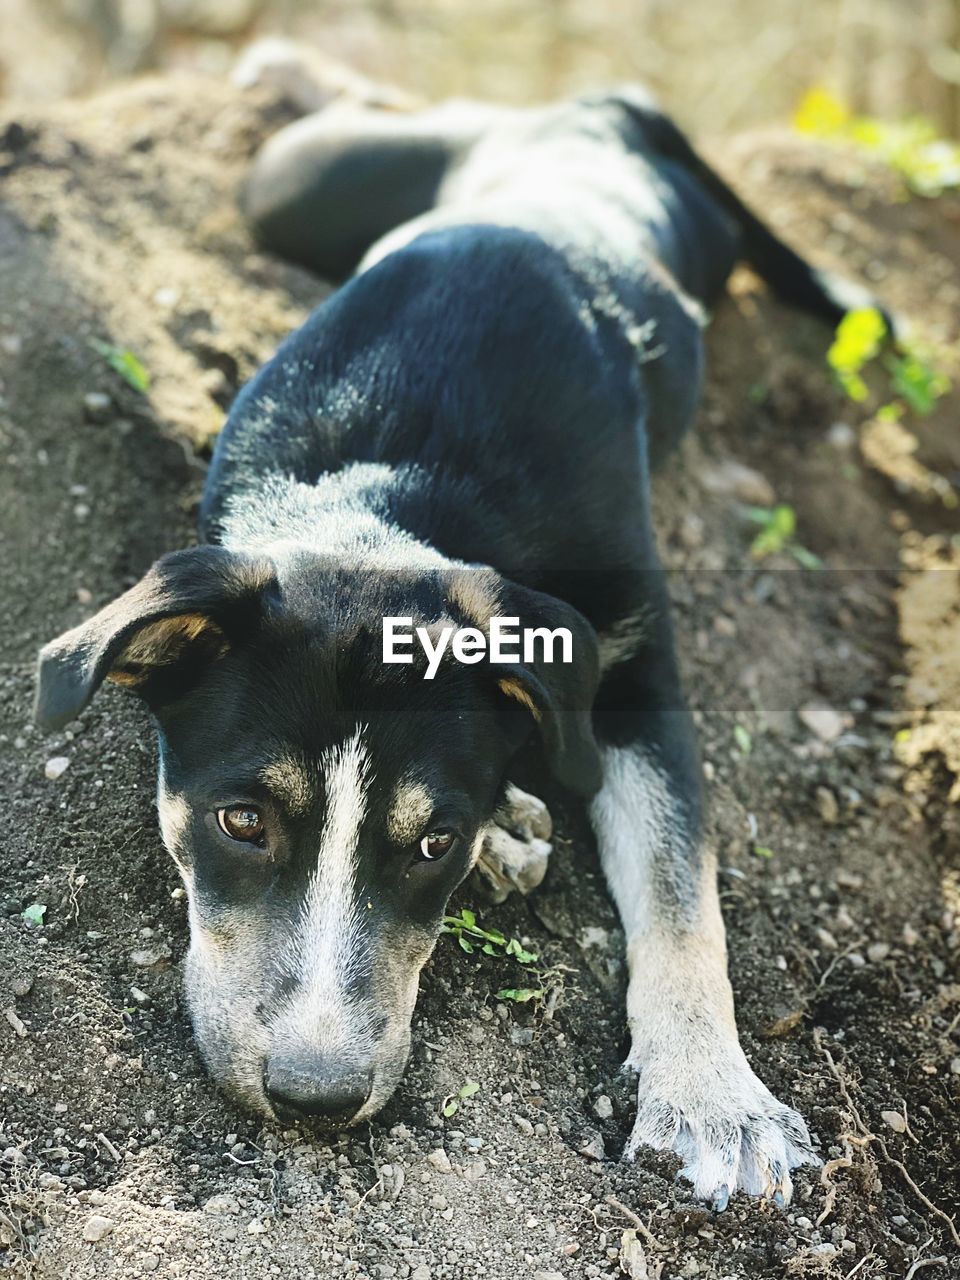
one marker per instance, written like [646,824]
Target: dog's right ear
[184,611]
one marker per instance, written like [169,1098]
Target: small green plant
[125,363]
[763,851]
[778,525]
[451,1104]
[917,381]
[471,937]
[858,339]
[927,163]
[474,939]
[521,995]
[912,373]
[33,915]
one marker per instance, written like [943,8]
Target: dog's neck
[349,514]
[369,514]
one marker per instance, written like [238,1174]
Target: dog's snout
[316,1087]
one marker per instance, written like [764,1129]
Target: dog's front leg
[697,1094]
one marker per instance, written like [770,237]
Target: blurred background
[719,65]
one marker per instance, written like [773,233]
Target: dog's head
[321,805]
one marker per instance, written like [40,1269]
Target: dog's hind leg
[516,846]
[327,187]
[697,1094]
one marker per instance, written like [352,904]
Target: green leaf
[762,851]
[742,737]
[451,1108]
[517,951]
[779,528]
[759,515]
[806,559]
[125,363]
[465,945]
[520,995]
[857,340]
[469,1089]
[918,382]
[34,914]
[468,918]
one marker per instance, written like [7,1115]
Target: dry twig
[644,1230]
[868,1137]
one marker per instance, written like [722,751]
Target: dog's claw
[721,1200]
[515,846]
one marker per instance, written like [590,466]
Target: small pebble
[97,406]
[440,1160]
[878,951]
[56,767]
[822,720]
[895,1121]
[603,1107]
[96,1227]
[593,1148]
[842,436]
[827,806]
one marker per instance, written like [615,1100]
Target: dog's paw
[725,1125]
[515,846]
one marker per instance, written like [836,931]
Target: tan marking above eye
[289,778]
[410,810]
[514,689]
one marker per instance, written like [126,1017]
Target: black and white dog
[463,433]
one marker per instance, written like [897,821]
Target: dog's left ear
[181,614]
[558,695]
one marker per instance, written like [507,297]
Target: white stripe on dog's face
[326,948]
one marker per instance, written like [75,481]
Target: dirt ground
[826,700]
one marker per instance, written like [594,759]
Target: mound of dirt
[839,871]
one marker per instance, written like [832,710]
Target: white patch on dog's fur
[174,815]
[697,1095]
[284,516]
[635,819]
[325,948]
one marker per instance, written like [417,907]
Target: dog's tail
[792,278]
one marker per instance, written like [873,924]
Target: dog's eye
[436,843]
[241,822]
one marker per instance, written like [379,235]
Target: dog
[461,436]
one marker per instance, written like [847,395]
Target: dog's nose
[316,1087]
